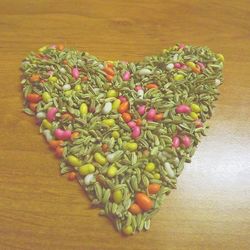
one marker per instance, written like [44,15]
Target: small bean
[115,134]
[51,114]
[107,108]
[144,71]
[182,108]
[195,108]
[109,122]
[47,135]
[112,170]
[116,105]
[88,179]
[112,93]
[126,76]
[46,124]
[78,88]
[100,158]
[41,115]
[170,66]
[53,79]
[131,146]
[66,87]
[74,161]
[150,167]
[75,73]
[194,115]
[46,97]
[83,109]
[178,77]
[117,196]
[127,230]
[86,169]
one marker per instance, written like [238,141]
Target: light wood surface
[210,209]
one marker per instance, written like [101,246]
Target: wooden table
[39,209]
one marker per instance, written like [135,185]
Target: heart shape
[124,130]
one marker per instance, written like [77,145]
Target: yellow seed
[100,158]
[157,176]
[117,196]
[178,77]
[191,64]
[195,108]
[42,49]
[150,167]
[112,170]
[220,57]
[68,92]
[74,161]
[112,93]
[78,88]
[115,134]
[52,79]
[128,230]
[83,109]
[131,146]
[91,168]
[46,124]
[87,169]
[46,97]
[109,122]
[194,115]
[116,105]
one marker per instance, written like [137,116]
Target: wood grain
[39,209]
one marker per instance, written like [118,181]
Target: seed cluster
[123,130]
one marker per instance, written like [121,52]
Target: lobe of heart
[123,130]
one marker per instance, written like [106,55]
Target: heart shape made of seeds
[123,130]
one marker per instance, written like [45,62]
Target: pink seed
[151,114]
[122,98]
[202,66]
[177,65]
[198,123]
[182,108]
[131,124]
[75,73]
[176,142]
[182,46]
[50,73]
[141,109]
[62,134]
[137,88]
[136,131]
[67,135]
[186,141]
[126,76]
[51,114]
[59,134]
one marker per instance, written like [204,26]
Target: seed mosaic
[124,130]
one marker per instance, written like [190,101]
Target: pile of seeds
[123,130]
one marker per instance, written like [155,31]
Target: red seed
[154,188]
[123,107]
[152,86]
[109,71]
[71,176]
[35,98]
[32,106]
[59,152]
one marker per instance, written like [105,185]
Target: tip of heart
[123,130]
